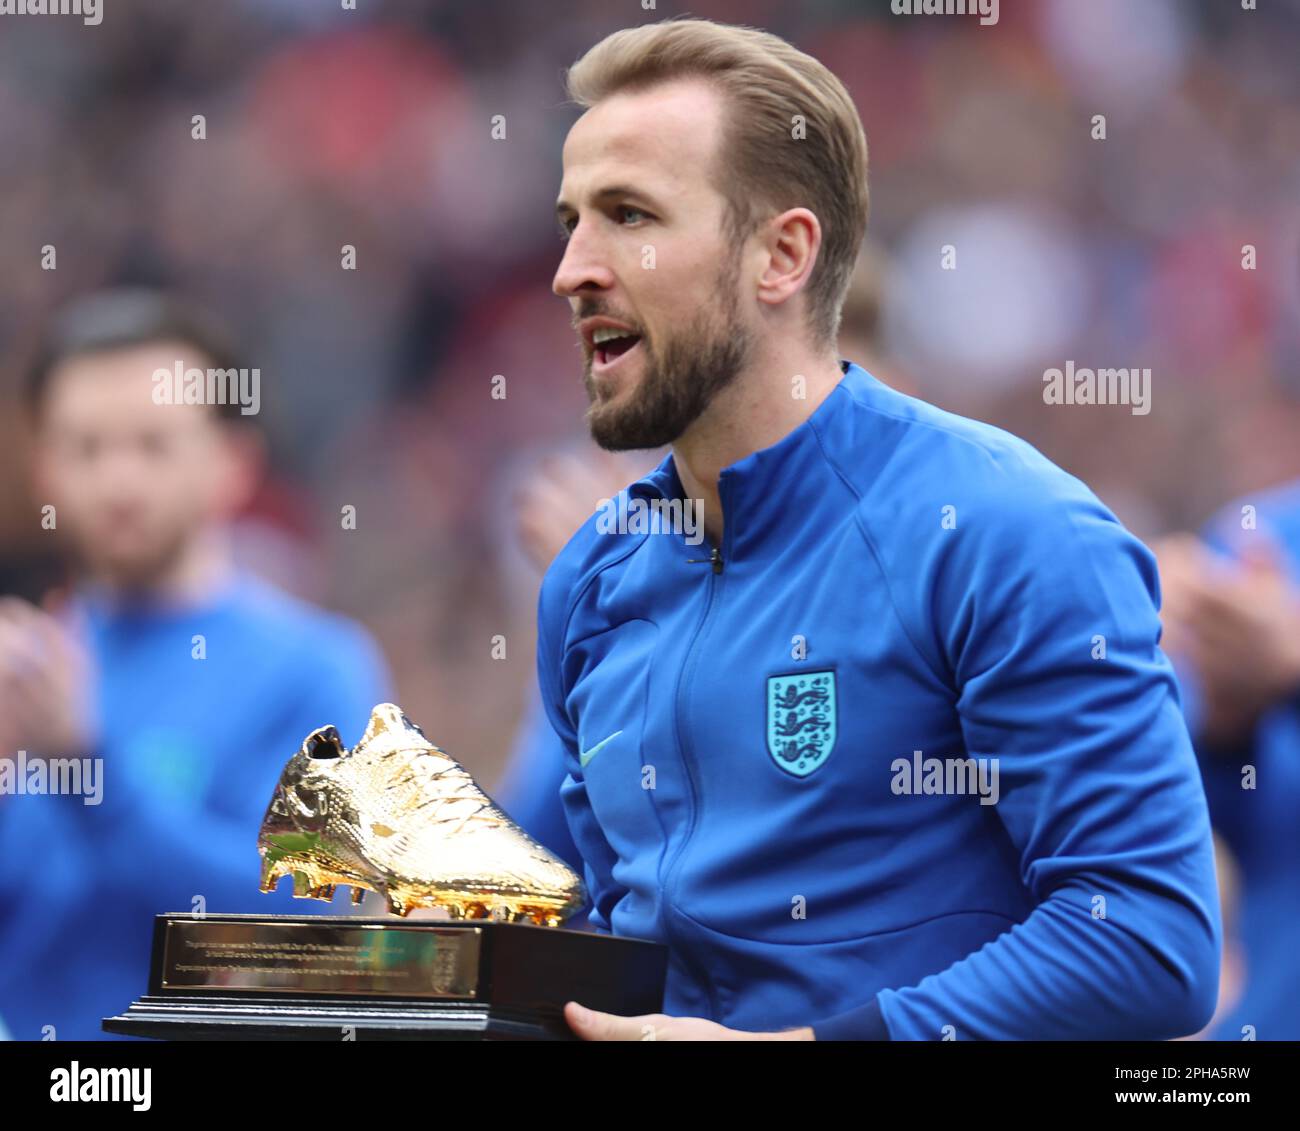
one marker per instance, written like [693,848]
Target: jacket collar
[771,489]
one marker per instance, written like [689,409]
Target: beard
[134,570]
[678,383]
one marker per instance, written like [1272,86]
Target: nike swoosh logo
[585,756]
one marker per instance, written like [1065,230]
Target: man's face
[648,258]
[132,481]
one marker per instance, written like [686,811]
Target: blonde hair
[763,167]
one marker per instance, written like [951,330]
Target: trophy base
[175,1018]
[289,977]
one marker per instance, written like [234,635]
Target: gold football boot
[402,818]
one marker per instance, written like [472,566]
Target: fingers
[1185,567]
[563,492]
[43,673]
[1196,583]
[592,1025]
[45,629]
[36,643]
[582,480]
[22,655]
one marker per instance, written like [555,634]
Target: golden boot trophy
[398,816]
[403,818]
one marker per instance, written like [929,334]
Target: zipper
[683,683]
[715,559]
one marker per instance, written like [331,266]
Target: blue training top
[191,751]
[907,761]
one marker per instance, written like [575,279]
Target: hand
[1184,562]
[1239,623]
[592,1025]
[45,683]
[562,493]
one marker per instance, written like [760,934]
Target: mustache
[582,315]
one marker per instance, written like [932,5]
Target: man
[752,726]
[558,496]
[1232,619]
[179,682]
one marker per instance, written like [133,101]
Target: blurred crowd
[248,153]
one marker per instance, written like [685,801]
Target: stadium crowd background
[374,128]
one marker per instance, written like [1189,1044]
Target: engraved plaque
[329,958]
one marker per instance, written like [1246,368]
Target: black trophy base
[176,1018]
[331,978]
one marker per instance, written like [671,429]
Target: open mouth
[606,353]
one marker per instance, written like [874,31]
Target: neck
[763,405]
[202,567]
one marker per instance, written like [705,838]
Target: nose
[583,267]
[123,478]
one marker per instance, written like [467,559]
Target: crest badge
[801,720]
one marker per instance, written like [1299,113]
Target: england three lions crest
[801,720]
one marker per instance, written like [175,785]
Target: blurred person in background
[1232,624]
[188,680]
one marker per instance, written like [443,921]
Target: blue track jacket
[903,759]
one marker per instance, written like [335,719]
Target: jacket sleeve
[603,891]
[1043,610]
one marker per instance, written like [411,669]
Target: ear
[243,451]
[791,242]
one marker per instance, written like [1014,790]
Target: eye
[566,227]
[623,209]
